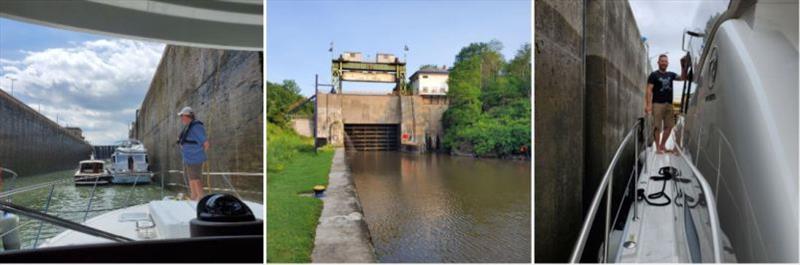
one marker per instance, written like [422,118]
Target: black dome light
[220,207]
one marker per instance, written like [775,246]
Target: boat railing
[225,176]
[704,195]
[14,176]
[633,136]
[41,217]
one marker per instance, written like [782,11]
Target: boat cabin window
[92,168]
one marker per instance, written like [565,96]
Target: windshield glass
[708,12]
[91,168]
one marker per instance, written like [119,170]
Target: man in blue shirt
[194,145]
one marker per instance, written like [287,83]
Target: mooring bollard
[319,190]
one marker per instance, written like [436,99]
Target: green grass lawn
[293,167]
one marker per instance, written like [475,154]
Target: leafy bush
[489,113]
[281,98]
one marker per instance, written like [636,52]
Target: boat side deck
[654,231]
[678,232]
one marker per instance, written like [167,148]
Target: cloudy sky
[663,24]
[299,33]
[94,82]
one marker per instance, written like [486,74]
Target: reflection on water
[440,208]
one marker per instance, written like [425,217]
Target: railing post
[130,194]
[228,181]
[608,217]
[41,223]
[91,198]
[597,198]
[636,168]
[162,176]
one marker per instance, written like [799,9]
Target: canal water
[441,208]
[70,201]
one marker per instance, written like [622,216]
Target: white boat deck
[171,218]
[659,233]
[655,233]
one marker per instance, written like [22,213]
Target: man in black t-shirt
[658,99]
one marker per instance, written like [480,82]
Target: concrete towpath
[342,233]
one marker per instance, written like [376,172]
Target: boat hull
[84,180]
[132,178]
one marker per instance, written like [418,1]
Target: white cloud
[96,85]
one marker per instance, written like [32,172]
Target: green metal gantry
[397,69]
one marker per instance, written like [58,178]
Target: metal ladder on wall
[635,137]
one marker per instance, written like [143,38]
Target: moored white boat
[92,172]
[130,164]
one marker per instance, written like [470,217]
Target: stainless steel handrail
[31,213]
[13,180]
[604,187]
[45,217]
[246,174]
[224,176]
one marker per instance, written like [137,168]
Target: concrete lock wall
[225,88]
[420,122]
[30,143]
[559,122]
[589,83]
[421,127]
[303,126]
[616,77]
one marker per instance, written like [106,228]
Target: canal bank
[342,234]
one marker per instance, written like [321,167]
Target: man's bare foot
[659,151]
[673,151]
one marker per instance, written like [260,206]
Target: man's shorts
[663,113]
[193,172]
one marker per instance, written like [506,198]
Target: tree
[280,97]
[489,113]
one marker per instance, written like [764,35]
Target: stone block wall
[30,143]
[560,94]
[225,88]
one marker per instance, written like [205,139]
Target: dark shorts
[193,172]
